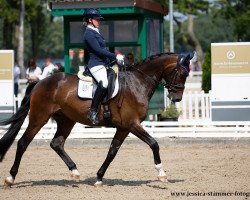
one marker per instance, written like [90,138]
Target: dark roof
[80,4]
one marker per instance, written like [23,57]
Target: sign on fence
[230,81]
[6,84]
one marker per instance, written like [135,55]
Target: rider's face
[96,22]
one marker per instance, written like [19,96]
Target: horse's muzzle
[175,97]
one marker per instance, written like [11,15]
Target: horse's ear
[193,57]
[185,59]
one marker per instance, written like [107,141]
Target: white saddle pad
[85,89]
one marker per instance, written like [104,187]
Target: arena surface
[195,171]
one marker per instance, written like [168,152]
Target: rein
[153,80]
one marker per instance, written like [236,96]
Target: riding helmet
[91,13]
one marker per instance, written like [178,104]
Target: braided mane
[150,58]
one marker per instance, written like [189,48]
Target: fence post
[196,105]
[190,106]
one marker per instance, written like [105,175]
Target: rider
[99,57]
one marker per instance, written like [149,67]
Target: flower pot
[171,119]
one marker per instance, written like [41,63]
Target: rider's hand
[120,59]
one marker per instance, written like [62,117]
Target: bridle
[172,86]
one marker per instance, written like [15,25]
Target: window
[76,32]
[112,31]
[153,36]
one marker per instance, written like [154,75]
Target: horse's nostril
[176,100]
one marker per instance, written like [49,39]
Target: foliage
[43,35]
[9,16]
[9,10]
[213,30]
[206,74]
[238,12]
[171,112]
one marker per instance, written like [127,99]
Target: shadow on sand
[90,181]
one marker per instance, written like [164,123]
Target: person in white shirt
[48,69]
[17,73]
[33,72]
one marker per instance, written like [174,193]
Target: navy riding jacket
[96,49]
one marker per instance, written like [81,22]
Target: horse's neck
[142,81]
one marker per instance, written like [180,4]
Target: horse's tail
[16,122]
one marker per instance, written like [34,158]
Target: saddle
[87,84]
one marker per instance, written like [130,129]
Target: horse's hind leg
[138,131]
[29,134]
[116,143]
[64,127]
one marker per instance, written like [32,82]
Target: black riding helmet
[92,13]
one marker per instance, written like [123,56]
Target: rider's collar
[93,28]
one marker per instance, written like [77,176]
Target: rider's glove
[120,59]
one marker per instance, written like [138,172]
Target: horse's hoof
[162,178]
[98,184]
[8,182]
[75,175]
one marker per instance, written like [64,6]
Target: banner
[6,83]
[230,58]
[230,81]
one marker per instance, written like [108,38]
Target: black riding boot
[97,99]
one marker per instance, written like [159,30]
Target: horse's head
[176,76]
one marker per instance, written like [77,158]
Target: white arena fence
[195,106]
[195,121]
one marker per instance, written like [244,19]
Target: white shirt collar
[93,28]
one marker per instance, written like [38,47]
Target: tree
[238,12]
[189,10]
[206,75]
[20,37]
[9,15]
[38,23]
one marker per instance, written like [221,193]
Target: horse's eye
[182,75]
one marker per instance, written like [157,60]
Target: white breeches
[99,72]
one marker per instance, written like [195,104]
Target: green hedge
[206,71]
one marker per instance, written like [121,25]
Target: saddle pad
[85,89]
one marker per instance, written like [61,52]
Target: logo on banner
[230,55]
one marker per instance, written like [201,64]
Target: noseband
[172,86]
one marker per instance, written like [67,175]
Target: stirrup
[92,116]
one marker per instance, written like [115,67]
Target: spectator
[59,67]
[130,58]
[16,78]
[48,69]
[33,72]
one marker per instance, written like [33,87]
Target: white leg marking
[9,181]
[162,175]
[98,184]
[75,174]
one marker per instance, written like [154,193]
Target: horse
[56,97]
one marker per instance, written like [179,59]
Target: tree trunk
[7,34]
[193,40]
[189,37]
[20,47]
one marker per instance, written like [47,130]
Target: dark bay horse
[56,96]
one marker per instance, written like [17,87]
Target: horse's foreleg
[114,147]
[138,131]
[64,127]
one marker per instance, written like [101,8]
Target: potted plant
[170,113]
